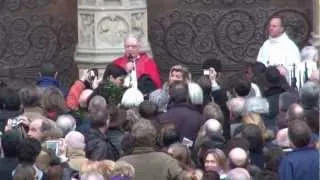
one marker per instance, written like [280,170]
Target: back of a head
[258,68]
[11,99]
[309,53]
[28,150]
[195,93]
[236,106]
[66,122]
[30,96]
[211,175]
[253,134]
[212,63]
[212,126]
[9,142]
[169,136]
[144,133]
[299,133]
[273,75]
[238,157]
[257,105]
[75,140]
[52,99]
[147,109]
[113,70]
[272,157]
[295,111]
[159,98]
[48,69]
[242,87]
[285,100]
[213,111]
[91,176]
[97,103]
[181,153]
[132,98]
[123,169]
[309,95]
[238,174]
[99,119]
[239,142]
[179,92]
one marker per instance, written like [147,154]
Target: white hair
[236,105]
[195,93]
[238,174]
[309,53]
[212,125]
[132,97]
[66,123]
[257,105]
[91,176]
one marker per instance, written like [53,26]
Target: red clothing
[72,101]
[145,66]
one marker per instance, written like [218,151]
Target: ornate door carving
[34,32]
[228,30]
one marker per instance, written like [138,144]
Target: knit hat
[75,140]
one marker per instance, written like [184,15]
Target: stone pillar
[102,27]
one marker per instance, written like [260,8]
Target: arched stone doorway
[190,31]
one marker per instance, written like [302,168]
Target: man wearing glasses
[142,70]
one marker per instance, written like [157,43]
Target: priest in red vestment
[142,70]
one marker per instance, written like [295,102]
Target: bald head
[212,126]
[236,107]
[238,157]
[66,123]
[97,103]
[238,174]
[283,138]
[84,96]
[295,111]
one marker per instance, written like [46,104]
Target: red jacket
[145,66]
[72,100]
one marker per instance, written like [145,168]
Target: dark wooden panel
[190,31]
[33,32]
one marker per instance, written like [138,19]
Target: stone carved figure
[112,30]
[137,25]
[87,30]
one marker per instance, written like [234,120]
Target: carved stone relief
[112,30]
[138,21]
[86,29]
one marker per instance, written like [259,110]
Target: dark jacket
[7,165]
[149,164]
[99,147]
[185,117]
[300,164]
[115,136]
[272,95]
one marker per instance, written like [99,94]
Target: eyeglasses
[132,46]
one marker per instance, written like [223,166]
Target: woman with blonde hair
[255,118]
[122,169]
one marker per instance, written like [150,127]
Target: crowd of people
[127,125]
